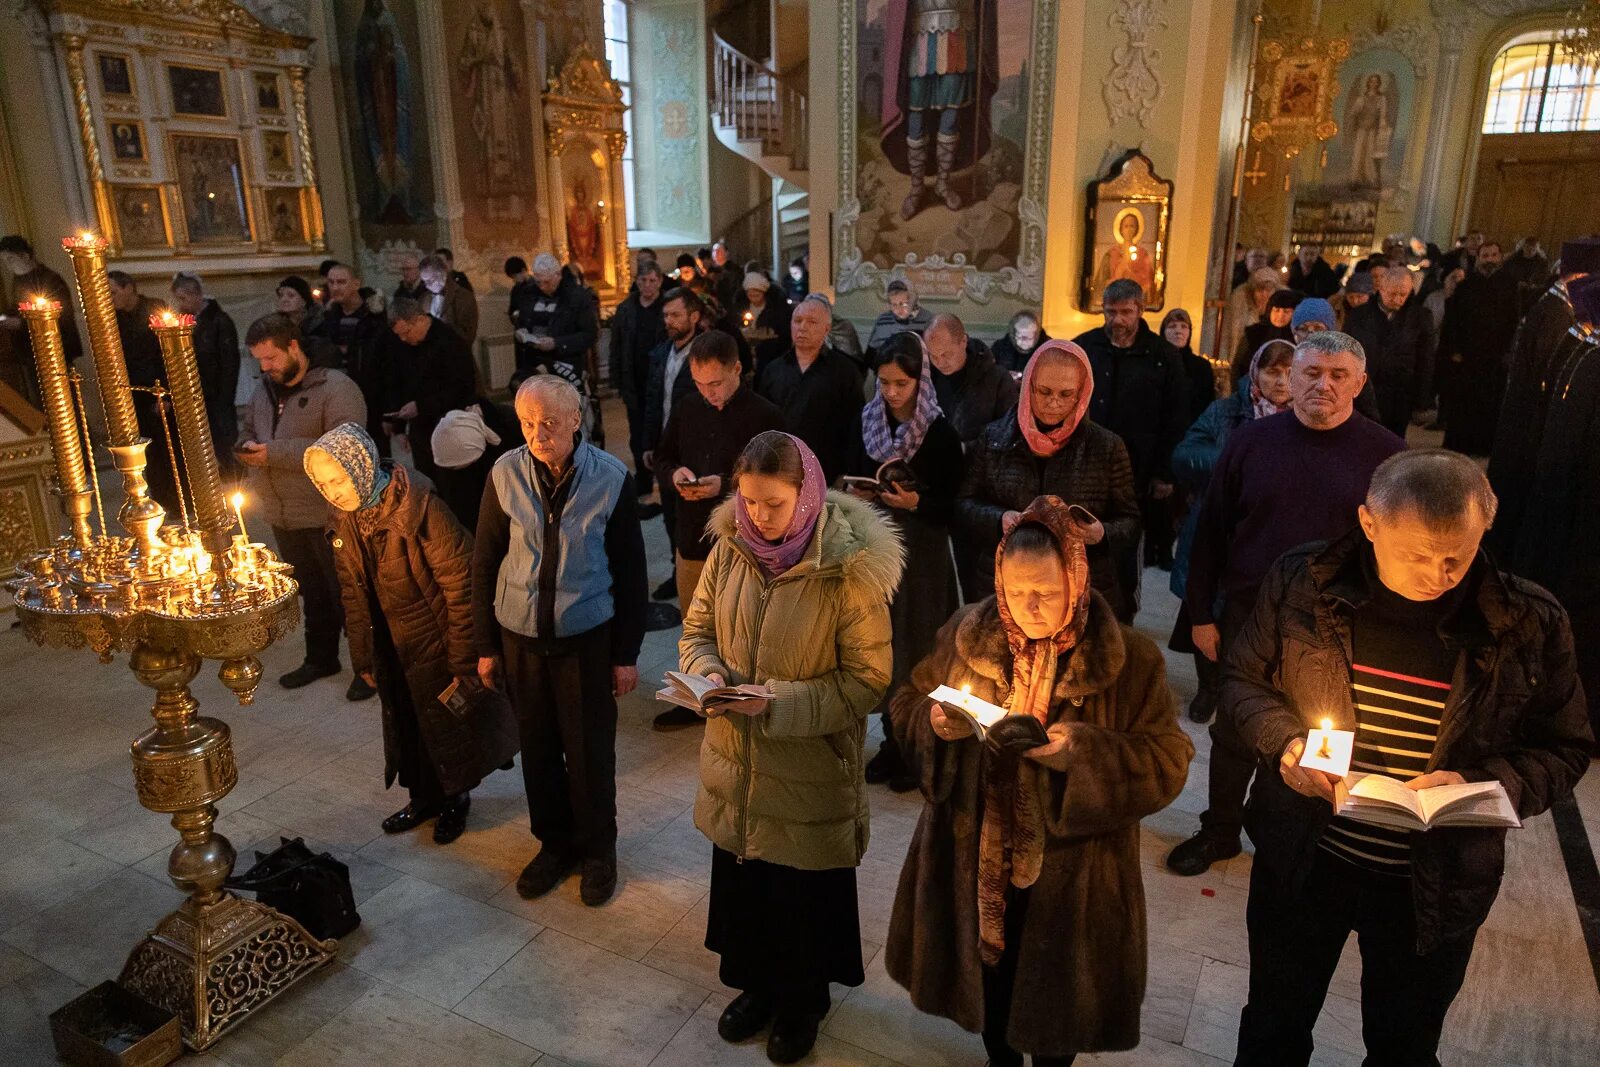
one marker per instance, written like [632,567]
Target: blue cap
[1313,309]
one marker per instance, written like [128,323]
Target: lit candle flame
[238,509]
[1327,724]
[966,689]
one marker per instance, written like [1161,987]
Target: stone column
[441,127]
[1446,84]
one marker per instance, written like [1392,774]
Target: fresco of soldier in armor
[941,124]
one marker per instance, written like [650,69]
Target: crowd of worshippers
[853,526]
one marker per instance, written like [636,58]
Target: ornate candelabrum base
[218,957]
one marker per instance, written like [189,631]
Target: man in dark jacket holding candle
[1448,671]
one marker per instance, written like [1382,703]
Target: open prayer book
[700,693]
[1383,801]
[980,713]
[894,475]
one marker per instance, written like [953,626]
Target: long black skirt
[784,932]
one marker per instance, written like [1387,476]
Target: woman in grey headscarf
[405,566]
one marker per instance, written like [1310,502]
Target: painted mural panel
[493,101]
[389,150]
[940,126]
[676,105]
[1375,109]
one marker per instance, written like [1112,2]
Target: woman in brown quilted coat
[404,566]
[1020,911]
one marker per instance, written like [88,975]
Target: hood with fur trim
[853,536]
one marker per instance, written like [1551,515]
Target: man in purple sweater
[1281,481]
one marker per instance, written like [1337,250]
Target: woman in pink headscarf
[1048,445]
[795,597]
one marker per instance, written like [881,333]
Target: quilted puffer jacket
[786,786]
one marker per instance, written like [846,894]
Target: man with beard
[1142,395]
[1479,323]
[1541,346]
[683,317]
[293,405]
[636,329]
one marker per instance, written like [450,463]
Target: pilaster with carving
[1133,86]
[310,194]
[441,127]
[72,45]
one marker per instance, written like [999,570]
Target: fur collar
[852,537]
[1096,661]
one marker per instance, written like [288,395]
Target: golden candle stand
[170,596]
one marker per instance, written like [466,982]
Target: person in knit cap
[1311,315]
[294,300]
[1020,912]
[466,444]
[404,566]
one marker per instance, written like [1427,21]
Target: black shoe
[649,511]
[599,880]
[792,1038]
[452,820]
[882,767]
[667,590]
[676,718]
[746,1017]
[544,872]
[1203,706]
[1196,855]
[307,673]
[359,689]
[408,818]
[904,781]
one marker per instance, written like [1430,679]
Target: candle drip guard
[170,594]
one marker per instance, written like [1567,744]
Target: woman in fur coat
[1020,911]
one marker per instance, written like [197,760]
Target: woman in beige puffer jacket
[803,609]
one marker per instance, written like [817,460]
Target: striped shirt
[1399,682]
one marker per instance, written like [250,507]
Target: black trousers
[997,986]
[309,552]
[1233,763]
[567,716]
[1295,941]
[643,477]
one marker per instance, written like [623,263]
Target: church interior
[202,155]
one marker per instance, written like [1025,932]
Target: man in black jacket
[1311,274]
[216,350]
[1448,671]
[1542,343]
[142,353]
[973,389]
[1480,320]
[429,370]
[352,327]
[636,329]
[1141,394]
[556,324]
[683,315]
[817,389]
[1398,335]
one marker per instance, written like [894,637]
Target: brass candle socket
[72,478]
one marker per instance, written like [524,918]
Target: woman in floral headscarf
[905,436]
[795,596]
[404,566]
[1264,391]
[1020,912]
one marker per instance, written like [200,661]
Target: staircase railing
[750,235]
[760,105]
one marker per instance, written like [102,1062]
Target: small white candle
[1329,750]
[238,509]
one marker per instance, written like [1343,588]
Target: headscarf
[776,557]
[882,444]
[350,446]
[1261,406]
[461,438]
[1011,841]
[1178,315]
[1049,442]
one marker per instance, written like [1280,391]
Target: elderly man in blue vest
[558,575]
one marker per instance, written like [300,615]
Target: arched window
[1536,86]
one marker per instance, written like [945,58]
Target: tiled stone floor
[450,966]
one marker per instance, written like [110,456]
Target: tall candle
[238,509]
[176,335]
[88,254]
[44,329]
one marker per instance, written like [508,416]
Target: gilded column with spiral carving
[140,515]
[72,479]
[308,160]
[79,79]
[176,335]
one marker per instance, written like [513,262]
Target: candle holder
[170,596]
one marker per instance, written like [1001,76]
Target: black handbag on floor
[311,888]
